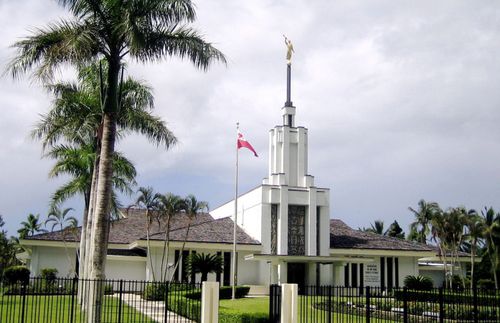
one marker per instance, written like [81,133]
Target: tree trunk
[103,197]
[148,244]
[182,249]
[88,235]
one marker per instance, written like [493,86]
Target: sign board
[371,275]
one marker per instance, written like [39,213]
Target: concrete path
[153,309]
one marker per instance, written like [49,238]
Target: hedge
[448,298]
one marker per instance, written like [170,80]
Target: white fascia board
[380,252]
[126,258]
[60,244]
[196,245]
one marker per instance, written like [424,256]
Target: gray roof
[132,227]
[344,237]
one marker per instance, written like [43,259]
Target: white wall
[126,268]
[64,260]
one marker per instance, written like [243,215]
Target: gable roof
[344,237]
[132,227]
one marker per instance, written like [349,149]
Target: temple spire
[288,109]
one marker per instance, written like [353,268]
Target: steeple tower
[288,148]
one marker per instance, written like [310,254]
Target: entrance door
[296,273]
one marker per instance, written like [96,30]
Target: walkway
[153,309]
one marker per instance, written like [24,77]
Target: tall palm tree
[423,216]
[169,206]
[148,200]
[109,29]
[491,234]
[76,116]
[192,208]
[60,218]
[475,229]
[30,226]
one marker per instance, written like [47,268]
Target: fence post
[120,299]
[329,304]
[405,304]
[441,305]
[165,297]
[289,302]
[210,302]
[72,310]
[23,294]
[474,299]
[367,304]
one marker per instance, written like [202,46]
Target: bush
[225,292]
[49,275]
[242,317]
[108,289]
[486,284]
[155,291]
[16,274]
[457,283]
[418,282]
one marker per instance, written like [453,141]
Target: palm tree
[148,200]
[395,231]
[144,30]
[423,217]
[475,230]
[192,208]
[377,227]
[31,226]
[169,206]
[491,235]
[204,264]
[59,218]
[77,116]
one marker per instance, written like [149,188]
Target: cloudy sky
[401,98]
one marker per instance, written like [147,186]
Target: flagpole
[235,275]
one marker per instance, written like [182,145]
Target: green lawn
[58,308]
[307,313]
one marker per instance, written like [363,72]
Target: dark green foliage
[225,292]
[418,282]
[155,291]
[108,289]
[16,274]
[242,317]
[49,275]
[486,284]
[204,264]
[8,249]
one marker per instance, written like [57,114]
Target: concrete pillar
[274,273]
[210,302]
[289,303]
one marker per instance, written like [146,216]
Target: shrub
[457,283]
[108,289]
[225,292]
[486,284]
[242,317]
[418,282]
[155,291]
[16,274]
[49,275]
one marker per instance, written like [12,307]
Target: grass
[245,305]
[59,308]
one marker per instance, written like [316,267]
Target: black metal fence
[344,304]
[67,301]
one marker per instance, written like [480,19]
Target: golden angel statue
[289,51]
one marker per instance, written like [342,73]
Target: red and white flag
[241,142]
